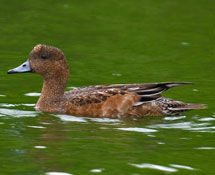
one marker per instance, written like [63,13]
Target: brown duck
[118,100]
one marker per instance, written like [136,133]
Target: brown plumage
[124,100]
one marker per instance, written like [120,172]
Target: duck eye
[43,56]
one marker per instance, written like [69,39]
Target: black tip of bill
[11,71]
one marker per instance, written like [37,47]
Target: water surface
[109,42]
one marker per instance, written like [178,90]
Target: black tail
[152,91]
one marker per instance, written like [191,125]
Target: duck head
[48,61]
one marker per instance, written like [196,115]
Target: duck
[115,100]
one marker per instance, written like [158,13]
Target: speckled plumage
[119,100]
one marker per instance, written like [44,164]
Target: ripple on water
[182,167]
[17,113]
[97,170]
[32,94]
[117,74]
[106,121]
[14,105]
[206,119]
[181,125]
[7,105]
[70,118]
[185,43]
[27,104]
[191,126]
[40,147]
[39,127]
[205,148]
[57,173]
[174,118]
[156,167]
[135,129]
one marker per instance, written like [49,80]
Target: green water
[107,42]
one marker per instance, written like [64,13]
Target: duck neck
[53,90]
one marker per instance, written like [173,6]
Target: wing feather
[100,93]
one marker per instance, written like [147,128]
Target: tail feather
[173,107]
[189,106]
[174,84]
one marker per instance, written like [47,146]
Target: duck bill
[25,67]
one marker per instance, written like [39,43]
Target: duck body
[126,100]
[118,100]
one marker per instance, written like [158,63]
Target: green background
[107,42]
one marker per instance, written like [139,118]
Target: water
[111,42]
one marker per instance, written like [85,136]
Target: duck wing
[100,93]
[147,91]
